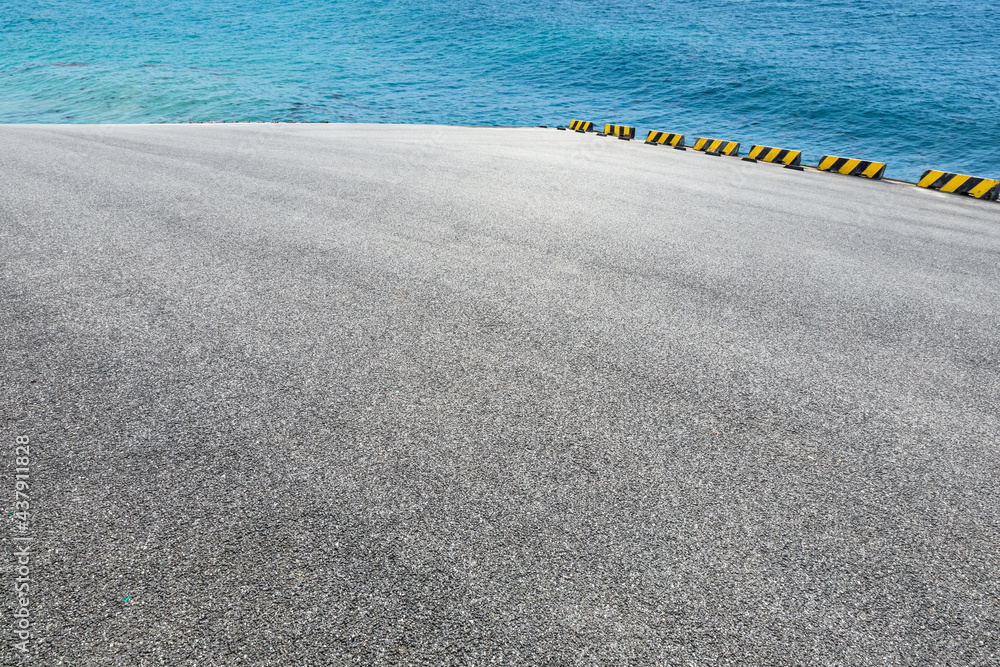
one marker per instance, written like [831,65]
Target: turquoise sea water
[914,83]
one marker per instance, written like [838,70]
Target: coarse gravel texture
[417,395]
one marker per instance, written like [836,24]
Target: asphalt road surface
[359,394]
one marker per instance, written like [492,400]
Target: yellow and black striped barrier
[581,126]
[665,139]
[843,165]
[767,154]
[620,131]
[980,188]
[717,146]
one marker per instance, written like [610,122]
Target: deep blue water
[914,83]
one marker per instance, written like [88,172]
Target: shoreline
[807,165]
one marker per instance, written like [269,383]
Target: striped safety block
[620,131]
[768,154]
[844,165]
[980,188]
[717,146]
[664,138]
[581,126]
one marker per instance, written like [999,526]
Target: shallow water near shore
[910,83]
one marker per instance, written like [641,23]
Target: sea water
[914,83]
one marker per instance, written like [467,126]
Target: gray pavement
[356,394]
